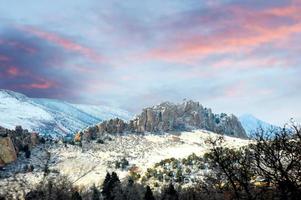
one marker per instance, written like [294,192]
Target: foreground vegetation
[268,168]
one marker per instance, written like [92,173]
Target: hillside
[50,116]
[251,123]
[87,165]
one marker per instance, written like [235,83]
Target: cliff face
[7,151]
[13,141]
[168,117]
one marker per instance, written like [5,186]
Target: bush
[123,164]
[100,141]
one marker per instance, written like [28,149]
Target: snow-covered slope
[104,111]
[50,116]
[87,165]
[251,123]
[17,109]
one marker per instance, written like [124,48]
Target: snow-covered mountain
[250,123]
[50,116]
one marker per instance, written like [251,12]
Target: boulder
[7,151]
[34,139]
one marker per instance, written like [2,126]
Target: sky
[234,56]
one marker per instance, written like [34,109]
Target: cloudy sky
[235,56]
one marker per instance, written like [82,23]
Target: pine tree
[149,194]
[114,178]
[133,191]
[95,193]
[106,190]
[117,192]
[76,196]
[110,182]
[170,193]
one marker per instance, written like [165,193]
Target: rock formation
[14,141]
[7,151]
[168,117]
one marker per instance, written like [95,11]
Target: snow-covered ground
[50,116]
[88,165]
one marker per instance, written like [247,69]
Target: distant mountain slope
[251,123]
[104,111]
[50,116]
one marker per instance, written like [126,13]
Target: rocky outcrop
[168,117]
[14,141]
[7,151]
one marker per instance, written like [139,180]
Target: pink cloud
[243,89]
[21,46]
[235,90]
[40,84]
[13,71]
[251,62]
[4,58]
[251,30]
[65,43]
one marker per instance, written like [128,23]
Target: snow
[89,165]
[50,116]
[250,123]
[16,109]
[104,111]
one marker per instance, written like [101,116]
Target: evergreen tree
[170,193]
[114,178]
[76,196]
[117,192]
[149,194]
[110,183]
[130,182]
[133,191]
[95,193]
[106,184]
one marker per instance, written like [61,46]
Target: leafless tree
[277,157]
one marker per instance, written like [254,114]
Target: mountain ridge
[56,117]
[252,123]
[50,116]
[170,117]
